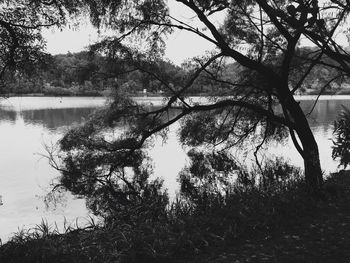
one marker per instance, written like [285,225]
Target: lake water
[28,123]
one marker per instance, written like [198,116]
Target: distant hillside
[85,73]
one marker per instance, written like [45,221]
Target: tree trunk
[312,166]
[310,153]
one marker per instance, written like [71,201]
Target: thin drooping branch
[307,72]
[242,137]
[254,107]
[36,26]
[185,27]
[178,94]
[202,108]
[258,147]
[227,82]
[225,48]
[260,29]
[272,15]
[340,56]
[320,62]
[321,92]
[262,43]
[175,94]
[237,114]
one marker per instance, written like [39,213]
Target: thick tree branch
[271,12]
[226,49]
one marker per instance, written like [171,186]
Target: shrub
[341,142]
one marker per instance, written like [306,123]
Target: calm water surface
[27,123]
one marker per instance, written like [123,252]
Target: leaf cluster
[341,142]
[112,172]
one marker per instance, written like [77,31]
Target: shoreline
[161,98]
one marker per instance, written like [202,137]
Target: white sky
[180,45]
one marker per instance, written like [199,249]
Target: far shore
[158,99]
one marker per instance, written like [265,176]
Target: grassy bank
[250,225]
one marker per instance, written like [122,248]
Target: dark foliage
[191,228]
[341,142]
[22,44]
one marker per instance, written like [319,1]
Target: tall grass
[188,227]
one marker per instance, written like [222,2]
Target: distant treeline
[87,74]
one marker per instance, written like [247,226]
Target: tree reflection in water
[51,119]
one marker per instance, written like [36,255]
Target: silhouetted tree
[261,37]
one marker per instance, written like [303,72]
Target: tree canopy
[21,24]
[261,37]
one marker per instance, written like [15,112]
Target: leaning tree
[259,39]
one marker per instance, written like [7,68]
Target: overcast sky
[180,45]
